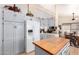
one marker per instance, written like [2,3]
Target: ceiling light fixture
[12,8]
[29,12]
[73,16]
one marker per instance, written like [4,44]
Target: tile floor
[74,51]
[32,53]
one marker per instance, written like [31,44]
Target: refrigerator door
[36,30]
[29,36]
[32,36]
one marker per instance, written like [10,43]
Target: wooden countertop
[51,45]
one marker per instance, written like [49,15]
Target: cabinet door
[8,45]
[0,31]
[74,27]
[0,38]
[65,28]
[41,36]
[9,15]
[19,38]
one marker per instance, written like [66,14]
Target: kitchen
[37,29]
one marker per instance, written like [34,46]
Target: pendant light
[29,12]
[73,16]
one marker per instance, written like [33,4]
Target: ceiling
[63,9]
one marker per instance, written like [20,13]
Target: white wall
[66,19]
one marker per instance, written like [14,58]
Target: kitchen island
[52,46]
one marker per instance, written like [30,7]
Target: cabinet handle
[2,40]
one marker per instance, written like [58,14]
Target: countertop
[51,45]
[48,33]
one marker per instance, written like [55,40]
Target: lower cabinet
[46,35]
[65,50]
[14,42]
[39,51]
[43,36]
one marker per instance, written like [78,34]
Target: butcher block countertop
[52,45]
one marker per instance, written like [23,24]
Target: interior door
[8,38]
[19,41]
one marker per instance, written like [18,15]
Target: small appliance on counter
[51,29]
[48,30]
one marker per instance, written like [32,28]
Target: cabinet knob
[15,26]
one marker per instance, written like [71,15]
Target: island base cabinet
[39,51]
[63,51]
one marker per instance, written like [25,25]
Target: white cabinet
[43,36]
[9,15]
[47,22]
[14,42]
[13,16]
[19,42]
[44,22]
[65,28]
[8,38]
[65,50]
[0,31]
[51,22]
[12,33]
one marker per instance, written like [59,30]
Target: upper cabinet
[43,22]
[13,16]
[47,22]
[51,22]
